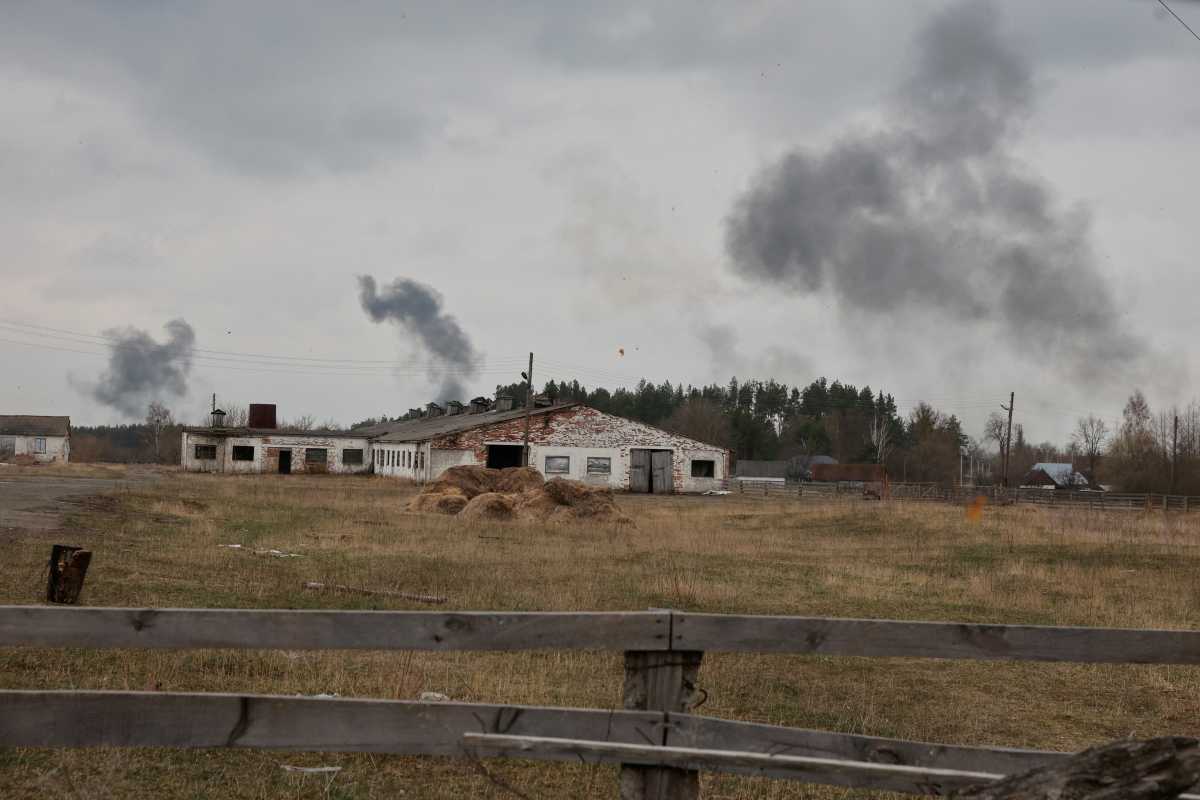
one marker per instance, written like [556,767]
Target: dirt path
[32,503]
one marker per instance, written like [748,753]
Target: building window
[704,468]
[242,452]
[206,452]
[408,458]
[420,461]
[599,466]
[558,465]
[316,455]
[39,445]
[352,456]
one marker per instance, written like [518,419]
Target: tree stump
[68,567]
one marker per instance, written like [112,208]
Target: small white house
[272,450]
[41,439]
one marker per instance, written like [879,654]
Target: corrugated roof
[419,430]
[31,425]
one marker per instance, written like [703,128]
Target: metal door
[663,479]
[639,470]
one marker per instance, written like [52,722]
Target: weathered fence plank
[43,626]
[165,719]
[893,777]
[663,682]
[890,638]
[1155,769]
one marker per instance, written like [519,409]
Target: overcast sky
[567,177]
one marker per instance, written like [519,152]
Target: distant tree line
[766,419]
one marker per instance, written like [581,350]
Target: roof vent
[218,418]
[542,401]
[454,407]
[480,405]
[434,410]
[504,402]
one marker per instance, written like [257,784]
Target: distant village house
[35,439]
[1056,476]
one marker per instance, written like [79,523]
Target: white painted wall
[265,447]
[44,449]
[400,460]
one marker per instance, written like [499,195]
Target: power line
[1163,3]
[93,338]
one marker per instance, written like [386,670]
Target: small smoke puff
[621,352]
[417,309]
[141,370]
[935,212]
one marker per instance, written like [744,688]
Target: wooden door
[663,480]
[639,470]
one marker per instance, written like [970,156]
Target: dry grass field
[156,544]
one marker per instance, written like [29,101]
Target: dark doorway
[285,462]
[501,456]
[651,471]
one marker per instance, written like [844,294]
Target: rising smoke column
[141,370]
[933,212]
[417,309]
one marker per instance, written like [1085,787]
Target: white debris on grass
[433,697]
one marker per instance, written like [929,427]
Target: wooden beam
[888,638]
[1155,769]
[663,682]
[43,626]
[166,719]
[891,777]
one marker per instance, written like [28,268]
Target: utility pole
[528,376]
[1174,450]
[1008,436]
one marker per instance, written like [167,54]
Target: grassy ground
[156,544]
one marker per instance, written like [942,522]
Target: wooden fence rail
[655,738]
[1096,501]
[644,631]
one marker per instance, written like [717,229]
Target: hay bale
[446,500]
[490,505]
[469,479]
[570,501]
[514,480]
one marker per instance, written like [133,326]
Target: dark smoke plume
[417,309]
[933,212]
[141,370]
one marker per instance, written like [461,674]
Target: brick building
[569,440]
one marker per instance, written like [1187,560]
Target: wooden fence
[1095,501]
[659,743]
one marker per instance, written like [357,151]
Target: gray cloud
[934,212]
[417,309]
[141,370]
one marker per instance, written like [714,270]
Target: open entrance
[285,462]
[500,456]
[650,471]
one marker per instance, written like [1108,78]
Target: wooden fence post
[660,681]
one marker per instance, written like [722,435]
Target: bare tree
[304,423]
[158,418]
[236,415]
[1091,435]
[880,436]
